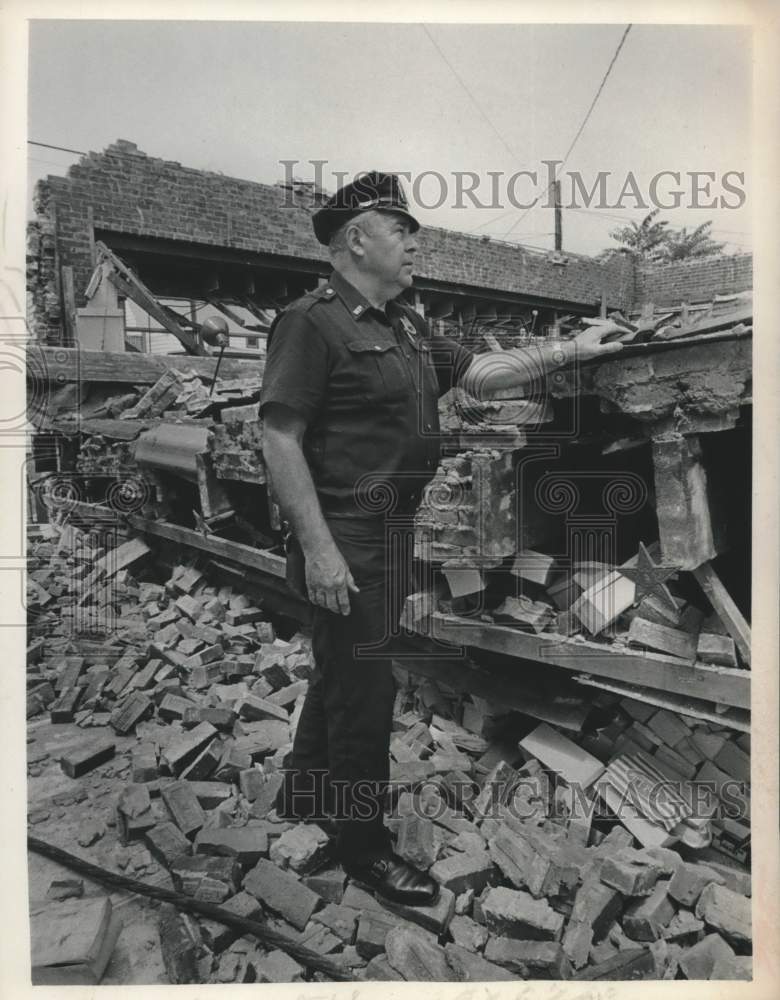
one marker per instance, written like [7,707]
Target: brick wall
[694,280]
[129,192]
[124,190]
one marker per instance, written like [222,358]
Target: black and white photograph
[389,523]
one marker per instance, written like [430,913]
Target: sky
[435,100]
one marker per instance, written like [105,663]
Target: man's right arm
[328,578]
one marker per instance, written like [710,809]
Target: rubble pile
[558,855]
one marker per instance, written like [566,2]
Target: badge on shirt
[409,328]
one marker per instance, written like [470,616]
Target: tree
[651,241]
[682,245]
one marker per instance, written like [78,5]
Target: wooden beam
[717,684]
[247,555]
[725,608]
[68,302]
[148,303]
[735,718]
[73,365]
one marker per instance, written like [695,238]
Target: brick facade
[123,190]
[694,280]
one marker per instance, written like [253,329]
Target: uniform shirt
[367,382]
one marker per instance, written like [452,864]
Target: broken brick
[329,884]
[645,919]
[459,872]
[281,892]
[727,912]
[204,765]
[630,874]
[135,708]
[529,959]
[186,747]
[416,957]
[184,807]
[247,844]
[86,757]
[301,848]
[467,933]
[167,843]
[211,879]
[416,842]
[517,914]
[689,880]
[435,917]
[698,961]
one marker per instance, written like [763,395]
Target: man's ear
[353,238]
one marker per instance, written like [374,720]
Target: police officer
[349,403]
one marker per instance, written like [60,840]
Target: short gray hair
[338,241]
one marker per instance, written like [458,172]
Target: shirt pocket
[376,369]
[427,370]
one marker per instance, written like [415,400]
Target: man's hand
[589,343]
[328,579]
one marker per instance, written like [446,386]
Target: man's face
[389,249]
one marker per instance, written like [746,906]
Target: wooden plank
[736,718]
[68,302]
[246,555]
[716,684]
[73,365]
[724,606]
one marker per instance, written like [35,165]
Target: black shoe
[391,877]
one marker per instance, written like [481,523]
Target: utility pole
[558,216]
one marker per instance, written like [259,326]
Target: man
[349,404]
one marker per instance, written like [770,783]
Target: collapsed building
[545,644]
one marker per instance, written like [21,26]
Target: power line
[598,94]
[63,149]
[474,101]
[585,119]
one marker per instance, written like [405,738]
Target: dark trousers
[340,758]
